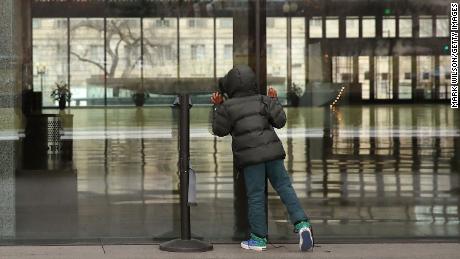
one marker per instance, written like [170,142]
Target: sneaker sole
[306,240]
[255,248]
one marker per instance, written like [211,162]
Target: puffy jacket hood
[240,81]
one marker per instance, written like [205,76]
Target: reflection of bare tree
[121,33]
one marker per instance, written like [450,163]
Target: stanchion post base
[180,245]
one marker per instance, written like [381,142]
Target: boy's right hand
[217,98]
[272,92]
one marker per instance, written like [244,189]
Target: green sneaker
[305,236]
[255,243]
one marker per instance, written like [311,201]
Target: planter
[62,104]
[139,99]
[293,99]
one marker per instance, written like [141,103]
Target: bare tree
[119,33]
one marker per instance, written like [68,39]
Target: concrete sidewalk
[342,251]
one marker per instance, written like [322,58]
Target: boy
[250,117]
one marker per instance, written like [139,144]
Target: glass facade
[372,147]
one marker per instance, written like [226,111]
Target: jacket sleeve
[221,125]
[276,115]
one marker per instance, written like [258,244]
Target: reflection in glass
[405,26]
[352,27]
[425,79]
[298,51]
[160,55]
[426,26]
[196,47]
[364,78]
[405,77]
[383,77]
[123,59]
[332,27]
[160,48]
[87,61]
[277,60]
[389,27]
[342,68]
[224,45]
[368,25]
[49,42]
[316,27]
[442,26]
[444,77]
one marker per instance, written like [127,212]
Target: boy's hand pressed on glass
[272,92]
[217,98]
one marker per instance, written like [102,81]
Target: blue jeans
[254,177]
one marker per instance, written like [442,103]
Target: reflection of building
[393,50]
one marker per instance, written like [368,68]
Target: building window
[368,25]
[442,26]
[162,23]
[270,22]
[161,53]
[36,23]
[228,51]
[352,27]
[426,27]
[197,23]
[332,27]
[389,27]
[269,51]
[61,23]
[316,27]
[198,51]
[226,23]
[405,26]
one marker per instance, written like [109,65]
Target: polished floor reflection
[361,172]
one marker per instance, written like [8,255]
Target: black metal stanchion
[185,243]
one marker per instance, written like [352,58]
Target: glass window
[426,26]
[364,78]
[342,68]
[316,27]
[368,25]
[163,22]
[196,48]
[352,27]
[226,23]
[298,52]
[405,26]
[389,27]
[425,76]
[332,27]
[444,77]
[197,23]
[277,58]
[224,46]
[160,52]
[123,60]
[198,51]
[405,77]
[383,77]
[442,26]
[49,56]
[87,61]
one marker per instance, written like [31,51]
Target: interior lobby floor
[362,173]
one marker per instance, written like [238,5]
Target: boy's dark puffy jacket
[249,117]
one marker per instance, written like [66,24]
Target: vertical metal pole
[184,129]
[289,52]
[105,61]
[68,54]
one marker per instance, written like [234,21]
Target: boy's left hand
[272,92]
[217,98]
